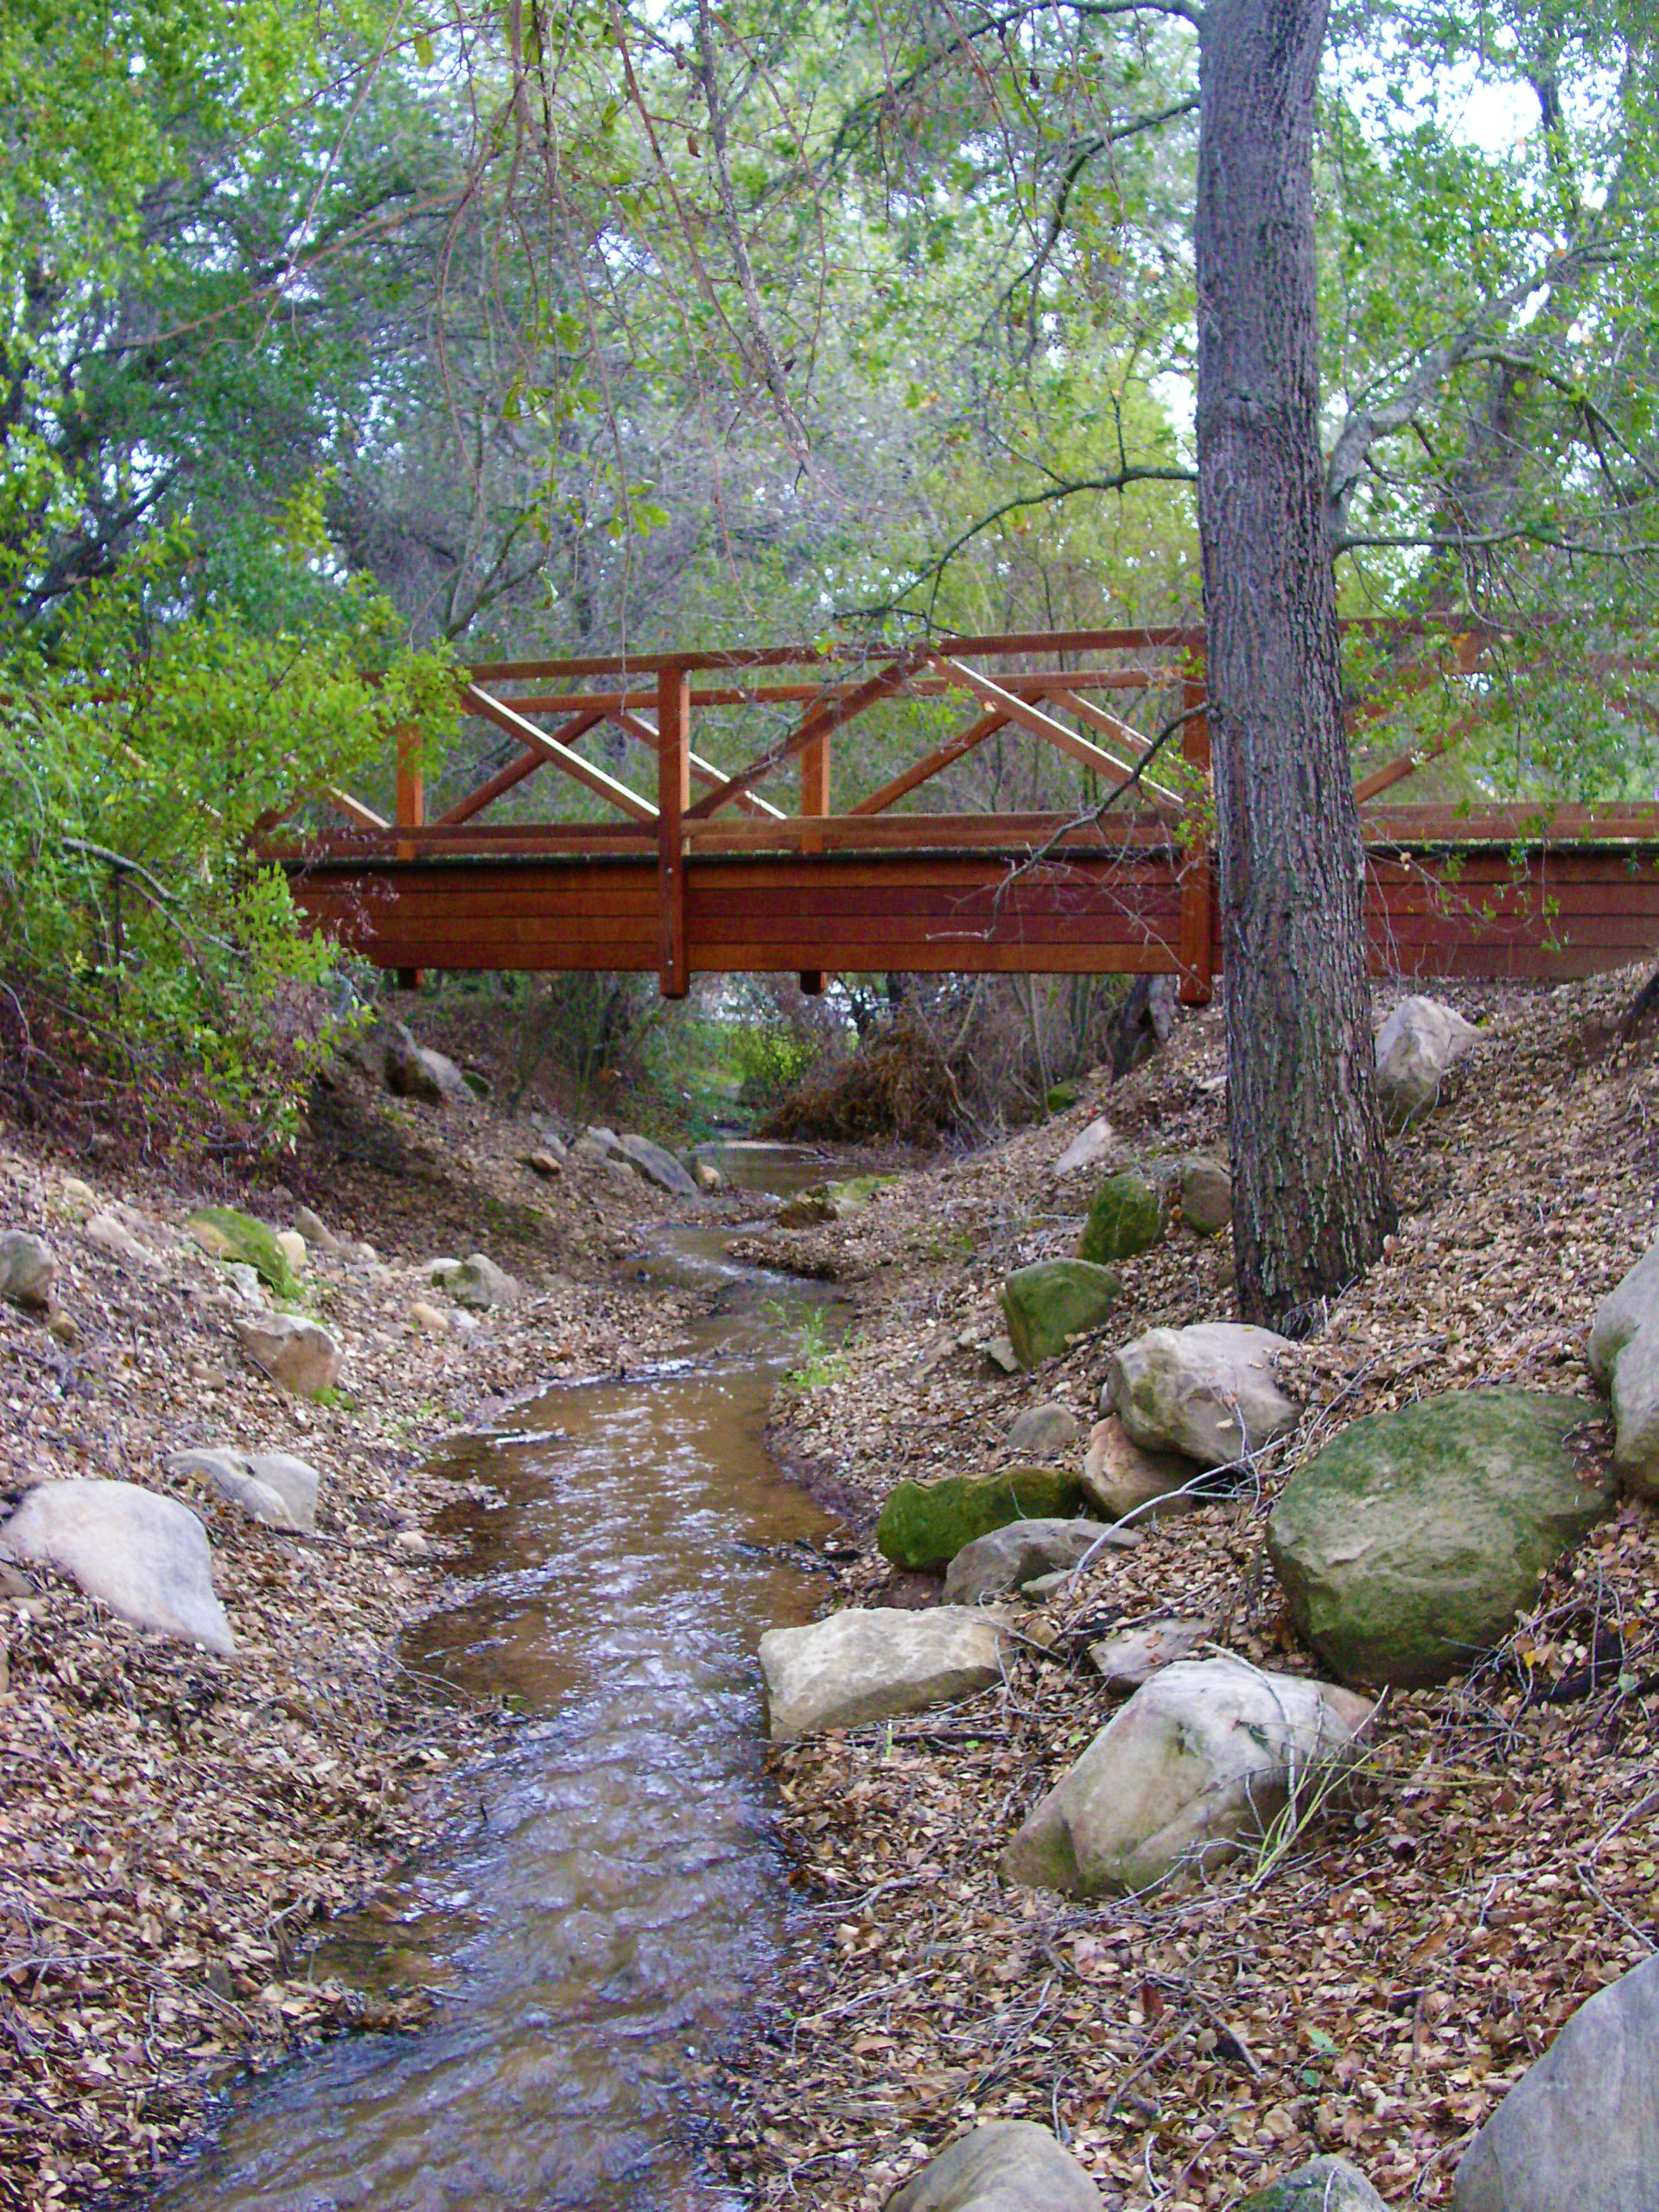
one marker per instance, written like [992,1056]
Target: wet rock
[1189,1773]
[301,1356]
[1580,2128]
[128,1254]
[316,1231]
[1126,1217]
[225,1234]
[1119,1479]
[1208,1391]
[1125,1662]
[28,1267]
[1091,1147]
[859,1666]
[923,1525]
[1322,2185]
[1416,1048]
[1047,1431]
[1408,1545]
[1020,1552]
[1624,1356]
[271,1487]
[1048,1305]
[144,1556]
[658,1166]
[1002,2165]
[476,1283]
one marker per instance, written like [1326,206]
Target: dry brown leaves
[1376,1990]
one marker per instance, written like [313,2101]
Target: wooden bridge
[695,868]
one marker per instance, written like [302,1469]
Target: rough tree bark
[1311,1202]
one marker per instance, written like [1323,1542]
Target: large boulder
[1019,1552]
[658,1166]
[859,1666]
[415,1070]
[1045,1431]
[1624,1355]
[1126,1217]
[1048,1305]
[1002,2165]
[272,1487]
[1416,1048]
[1408,1544]
[1579,2131]
[477,1283]
[1208,1391]
[1322,2185]
[144,1556]
[225,1234]
[28,1267]
[1089,1149]
[1190,1771]
[924,1525]
[300,1356]
[1119,1479]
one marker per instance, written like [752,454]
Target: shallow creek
[609,1889]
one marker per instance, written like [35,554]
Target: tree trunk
[1311,1202]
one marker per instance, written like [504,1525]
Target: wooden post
[1197,876]
[673,797]
[408,813]
[814,802]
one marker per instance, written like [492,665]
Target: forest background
[338,348]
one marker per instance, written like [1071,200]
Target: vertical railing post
[1197,877]
[815,804]
[673,797]
[409,812]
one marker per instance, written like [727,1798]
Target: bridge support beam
[1195,948]
[408,813]
[815,800]
[673,797]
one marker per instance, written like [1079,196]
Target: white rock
[28,1267]
[428,1318]
[245,1283]
[114,1237]
[316,1231]
[1189,1772]
[1127,1660]
[292,1246]
[1087,1149]
[859,1666]
[79,1197]
[1004,2165]
[1416,1047]
[1119,1479]
[1624,1354]
[411,1543]
[144,1556]
[1208,1391]
[301,1356]
[272,1487]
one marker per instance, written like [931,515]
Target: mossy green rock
[1127,1217]
[1323,2185]
[1057,1298]
[225,1234]
[1409,1543]
[924,1525]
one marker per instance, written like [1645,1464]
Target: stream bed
[608,1891]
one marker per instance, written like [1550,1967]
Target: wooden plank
[558,755]
[1033,719]
[1129,741]
[703,772]
[353,809]
[819,722]
[931,763]
[673,797]
[513,773]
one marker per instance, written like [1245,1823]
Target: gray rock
[1190,1772]
[1624,1355]
[599,1142]
[1090,1149]
[144,1556]
[1127,1661]
[545,1164]
[1019,1552]
[1408,1545]
[1416,1048]
[1208,1391]
[114,1237]
[1206,1191]
[476,1283]
[1003,2165]
[999,1352]
[1120,1479]
[1048,1431]
[28,1267]
[859,1666]
[301,1356]
[1322,2185]
[658,1166]
[1579,2131]
[271,1487]
[415,1070]
[245,1281]
[316,1231]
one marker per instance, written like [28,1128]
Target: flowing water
[610,1891]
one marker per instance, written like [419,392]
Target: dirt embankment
[173,1825]
[1374,1989]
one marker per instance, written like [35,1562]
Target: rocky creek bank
[1225,1775]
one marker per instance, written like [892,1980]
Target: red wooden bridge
[695,868]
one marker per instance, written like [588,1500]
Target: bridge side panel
[1540,917]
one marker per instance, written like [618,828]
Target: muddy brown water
[609,1889]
